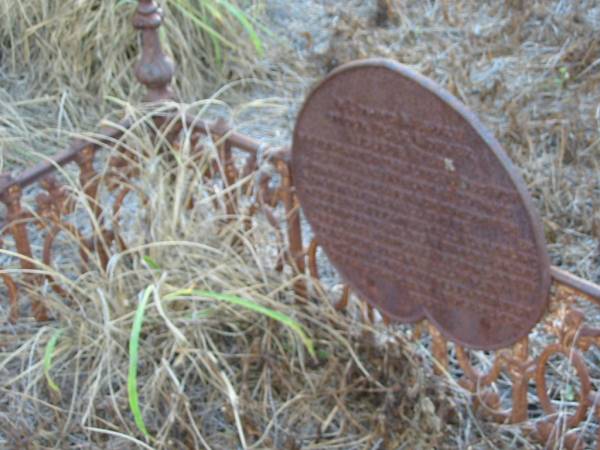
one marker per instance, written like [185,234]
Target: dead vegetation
[212,375]
[209,374]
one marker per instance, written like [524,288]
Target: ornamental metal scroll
[51,210]
[424,217]
[50,213]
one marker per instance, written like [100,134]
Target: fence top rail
[220,130]
[581,286]
[35,173]
[111,134]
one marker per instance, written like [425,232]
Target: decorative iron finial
[155,69]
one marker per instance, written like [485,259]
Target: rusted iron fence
[567,332]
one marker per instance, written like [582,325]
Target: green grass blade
[252,306]
[134,342]
[215,42]
[187,12]
[212,9]
[243,20]
[218,52]
[48,353]
[266,30]
[151,263]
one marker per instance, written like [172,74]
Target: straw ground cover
[91,46]
[530,69]
[191,339]
[62,64]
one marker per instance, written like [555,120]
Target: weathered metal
[155,70]
[418,207]
[567,330]
[317,139]
[54,203]
[564,323]
[17,219]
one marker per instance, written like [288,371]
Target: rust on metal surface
[576,285]
[418,207]
[155,70]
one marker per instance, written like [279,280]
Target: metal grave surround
[418,207]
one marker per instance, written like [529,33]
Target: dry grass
[63,64]
[90,47]
[210,374]
[214,375]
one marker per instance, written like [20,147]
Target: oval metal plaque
[418,206]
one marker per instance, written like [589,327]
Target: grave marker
[417,205]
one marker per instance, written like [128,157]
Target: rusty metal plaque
[418,207]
